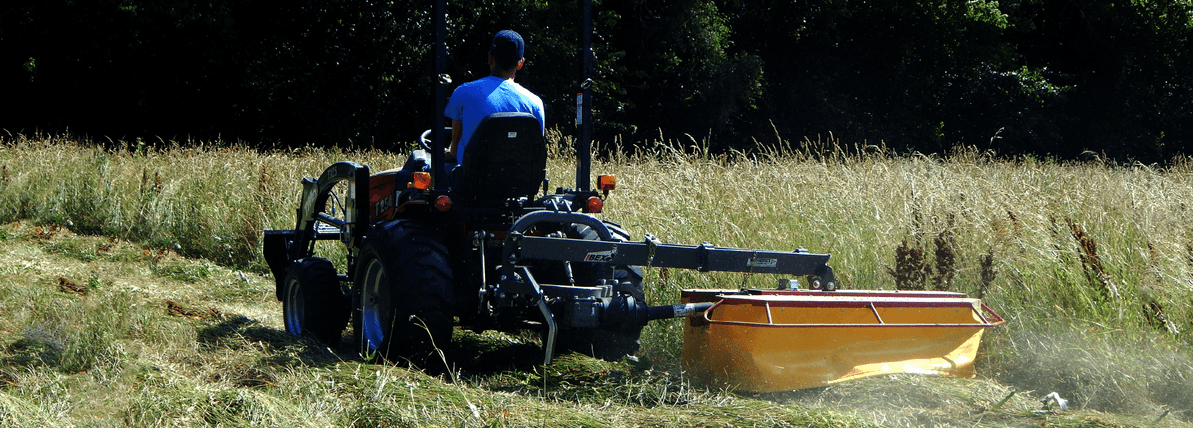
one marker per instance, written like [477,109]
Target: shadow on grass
[275,346]
[470,354]
[475,354]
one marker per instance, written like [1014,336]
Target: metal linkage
[704,257]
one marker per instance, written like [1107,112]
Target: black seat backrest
[506,157]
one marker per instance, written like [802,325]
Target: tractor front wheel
[312,302]
[403,302]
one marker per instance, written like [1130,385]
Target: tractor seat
[505,158]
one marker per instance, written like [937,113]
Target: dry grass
[165,317]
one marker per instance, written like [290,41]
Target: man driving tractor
[473,101]
[496,93]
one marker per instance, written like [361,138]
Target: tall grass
[207,200]
[1090,262]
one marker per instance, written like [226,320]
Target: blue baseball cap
[507,48]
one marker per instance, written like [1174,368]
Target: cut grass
[172,318]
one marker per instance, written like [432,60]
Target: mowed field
[133,291]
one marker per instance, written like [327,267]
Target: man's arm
[457,133]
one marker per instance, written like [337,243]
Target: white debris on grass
[1054,398]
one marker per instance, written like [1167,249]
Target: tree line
[1016,76]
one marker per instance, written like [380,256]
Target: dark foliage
[1018,76]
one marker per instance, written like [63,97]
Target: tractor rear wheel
[403,299]
[312,302]
[610,343]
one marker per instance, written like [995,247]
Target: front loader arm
[314,197]
[283,247]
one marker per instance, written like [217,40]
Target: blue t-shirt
[477,99]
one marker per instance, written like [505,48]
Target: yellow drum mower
[769,341]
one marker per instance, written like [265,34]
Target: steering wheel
[425,139]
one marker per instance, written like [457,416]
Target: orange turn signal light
[421,180]
[606,182]
[594,205]
[443,203]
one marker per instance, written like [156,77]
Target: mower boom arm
[703,257]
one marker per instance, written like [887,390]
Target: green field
[134,293]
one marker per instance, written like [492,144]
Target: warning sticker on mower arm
[759,262]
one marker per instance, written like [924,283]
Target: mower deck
[770,341]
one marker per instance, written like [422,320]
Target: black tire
[403,295]
[312,302]
[605,343]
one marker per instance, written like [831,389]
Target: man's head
[507,49]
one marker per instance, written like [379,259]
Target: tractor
[493,250]
[496,251]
